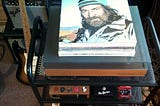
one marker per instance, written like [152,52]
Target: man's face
[94,15]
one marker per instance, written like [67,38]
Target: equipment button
[76,89]
[62,89]
[56,89]
[69,89]
[84,89]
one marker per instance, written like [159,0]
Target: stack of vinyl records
[114,38]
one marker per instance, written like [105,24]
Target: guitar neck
[25,24]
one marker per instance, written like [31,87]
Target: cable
[3,51]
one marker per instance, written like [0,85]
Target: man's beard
[96,21]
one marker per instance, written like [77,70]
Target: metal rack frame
[37,81]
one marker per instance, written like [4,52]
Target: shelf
[147,80]
[50,60]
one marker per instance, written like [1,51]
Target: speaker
[34,8]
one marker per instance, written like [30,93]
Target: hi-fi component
[72,90]
[106,91]
[124,92]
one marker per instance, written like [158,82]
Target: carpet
[12,92]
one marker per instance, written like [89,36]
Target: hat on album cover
[82,3]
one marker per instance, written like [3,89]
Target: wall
[3,17]
[155,15]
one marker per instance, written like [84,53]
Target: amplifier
[34,8]
[56,91]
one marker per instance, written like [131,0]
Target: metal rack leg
[37,94]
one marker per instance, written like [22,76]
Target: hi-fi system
[69,90]
[85,91]
[38,8]
[34,8]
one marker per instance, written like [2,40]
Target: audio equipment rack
[83,89]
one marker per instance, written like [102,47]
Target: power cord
[3,51]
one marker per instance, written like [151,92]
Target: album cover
[96,28]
